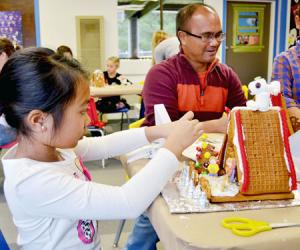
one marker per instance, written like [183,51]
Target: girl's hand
[121,78]
[180,134]
[183,134]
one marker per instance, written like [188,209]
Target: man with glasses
[194,79]
[191,80]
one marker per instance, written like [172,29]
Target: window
[123,31]
[146,26]
[151,23]
[248,28]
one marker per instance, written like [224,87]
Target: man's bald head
[186,13]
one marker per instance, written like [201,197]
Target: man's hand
[294,114]
[215,126]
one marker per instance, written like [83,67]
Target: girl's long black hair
[37,78]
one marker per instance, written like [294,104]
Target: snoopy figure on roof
[262,92]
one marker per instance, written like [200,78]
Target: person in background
[165,49]
[7,134]
[64,51]
[286,69]
[113,103]
[191,80]
[157,38]
[49,191]
[160,51]
[6,50]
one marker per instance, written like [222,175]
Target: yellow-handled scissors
[247,227]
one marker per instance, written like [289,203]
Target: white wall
[135,69]
[58,25]
[218,6]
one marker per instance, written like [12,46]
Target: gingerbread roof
[260,142]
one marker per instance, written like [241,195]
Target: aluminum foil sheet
[178,204]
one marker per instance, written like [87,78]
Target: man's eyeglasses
[208,36]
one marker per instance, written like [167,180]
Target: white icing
[285,154]
[237,145]
[247,108]
[220,186]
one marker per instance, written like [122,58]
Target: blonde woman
[157,37]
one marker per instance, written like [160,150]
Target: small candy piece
[204,145]
[198,156]
[207,155]
[197,165]
[213,168]
[204,136]
[205,164]
[199,149]
[204,171]
[212,160]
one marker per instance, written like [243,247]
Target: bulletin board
[293,32]
[248,25]
[11,26]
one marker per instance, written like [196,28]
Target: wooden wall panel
[26,7]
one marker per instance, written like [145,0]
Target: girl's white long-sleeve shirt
[55,207]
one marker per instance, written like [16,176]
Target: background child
[53,201]
[111,76]
[7,134]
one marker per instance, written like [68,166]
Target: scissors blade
[283,225]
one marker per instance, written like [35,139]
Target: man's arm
[160,88]
[215,126]
[282,73]
[236,96]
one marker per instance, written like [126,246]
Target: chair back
[137,123]
[245,90]
[9,145]
[3,243]
[93,115]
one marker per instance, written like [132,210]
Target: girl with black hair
[49,191]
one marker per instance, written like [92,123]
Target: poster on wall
[11,26]
[293,31]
